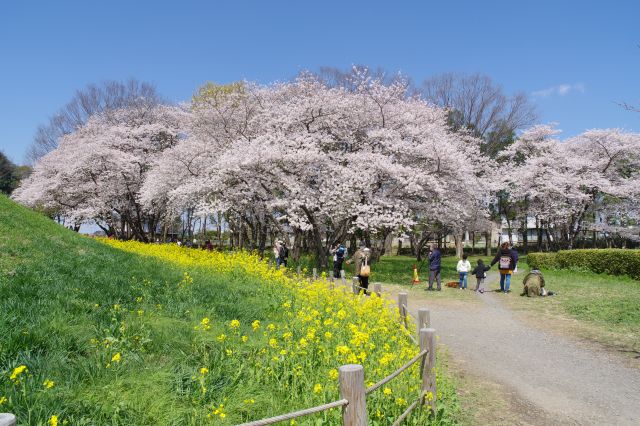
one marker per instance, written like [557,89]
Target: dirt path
[542,377]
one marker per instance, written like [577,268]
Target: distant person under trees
[339,253]
[435,260]
[362,257]
[506,264]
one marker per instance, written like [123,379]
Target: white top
[463,266]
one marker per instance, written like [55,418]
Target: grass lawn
[599,307]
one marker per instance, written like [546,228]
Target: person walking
[514,254]
[463,268]
[480,272]
[339,253]
[506,265]
[435,260]
[276,252]
[283,254]
[361,258]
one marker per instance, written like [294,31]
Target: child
[463,269]
[480,272]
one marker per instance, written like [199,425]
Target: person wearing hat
[361,258]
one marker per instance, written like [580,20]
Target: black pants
[363,282]
[337,267]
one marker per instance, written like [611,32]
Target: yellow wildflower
[234,324]
[48,384]
[387,391]
[204,370]
[317,388]
[53,420]
[244,339]
[221,338]
[17,372]
[3,399]
[333,374]
[255,325]
[116,357]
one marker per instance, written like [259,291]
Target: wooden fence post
[402,306]
[355,285]
[352,389]
[343,277]
[428,342]
[377,289]
[270,263]
[298,270]
[315,274]
[8,419]
[424,318]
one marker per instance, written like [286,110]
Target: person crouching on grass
[463,268]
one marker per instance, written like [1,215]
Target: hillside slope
[69,304]
[109,332]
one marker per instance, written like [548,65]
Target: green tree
[7,174]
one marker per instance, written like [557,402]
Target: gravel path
[555,380]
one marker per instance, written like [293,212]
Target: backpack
[505,262]
[284,252]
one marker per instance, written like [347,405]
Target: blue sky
[576,58]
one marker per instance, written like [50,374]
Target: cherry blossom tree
[96,172]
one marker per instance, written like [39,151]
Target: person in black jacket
[480,272]
[435,260]
[506,264]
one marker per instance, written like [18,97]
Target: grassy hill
[150,334]
[63,294]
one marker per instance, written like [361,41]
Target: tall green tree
[7,174]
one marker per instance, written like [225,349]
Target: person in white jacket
[463,268]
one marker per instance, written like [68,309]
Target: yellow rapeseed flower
[48,384]
[244,339]
[204,370]
[255,325]
[116,357]
[333,374]
[234,324]
[17,372]
[317,388]
[53,420]
[387,391]
[3,399]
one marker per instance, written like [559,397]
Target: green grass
[606,307]
[60,290]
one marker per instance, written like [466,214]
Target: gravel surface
[552,378]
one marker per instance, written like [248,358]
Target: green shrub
[608,261]
[542,260]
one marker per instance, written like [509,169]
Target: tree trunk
[487,239]
[388,244]
[458,238]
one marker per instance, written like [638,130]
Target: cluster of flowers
[315,330]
